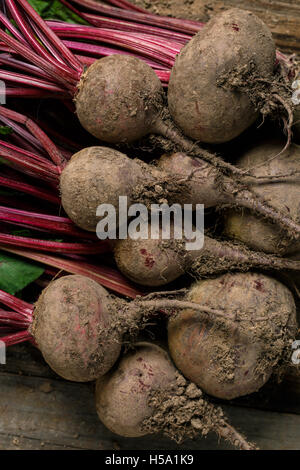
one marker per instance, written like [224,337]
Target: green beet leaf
[55,10]
[16,273]
[5,130]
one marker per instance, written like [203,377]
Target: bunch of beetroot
[232,330]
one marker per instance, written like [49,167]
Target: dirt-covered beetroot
[72,327]
[237,354]
[141,370]
[99,175]
[156,262]
[204,100]
[110,103]
[94,176]
[283,195]
[145,394]
[149,262]
[231,44]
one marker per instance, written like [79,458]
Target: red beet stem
[33,93]
[69,80]
[16,338]
[126,5]
[148,46]
[54,40]
[53,53]
[8,25]
[29,34]
[22,134]
[29,189]
[181,25]
[103,51]
[26,80]
[163,75]
[20,306]
[8,59]
[124,25]
[52,246]
[45,221]
[91,32]
[29,163]
[107,277]
[130,26]
[37,132]
[13,319]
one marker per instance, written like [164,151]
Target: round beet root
[157,262]
[110,103]
[100,175]
[94,176]
[145,394]
[233,46]
[72,328]
[237,353]
[128,387]
[149,262]
[283,195]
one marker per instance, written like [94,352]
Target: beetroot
[158,262]
[72,327]
[224,77]
[145,394]
[283,194]
[94,176]
[99,175]
[236,353]
[111,104]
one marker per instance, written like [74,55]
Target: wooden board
[38,410]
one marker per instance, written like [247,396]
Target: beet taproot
[94,176]
[282,194]
[156,262]
[234,46]
[236,354]
[100,175]
[145,394]
[110,103]
[72,328]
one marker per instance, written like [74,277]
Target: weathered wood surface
[38,410]
[283,17]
